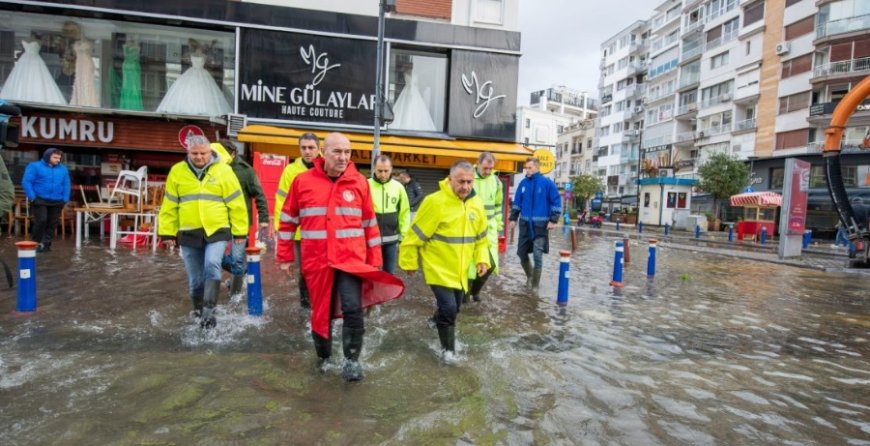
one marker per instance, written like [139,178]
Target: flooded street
[715,350]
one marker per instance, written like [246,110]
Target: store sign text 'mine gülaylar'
[296,77]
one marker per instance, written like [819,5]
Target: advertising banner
[483,95]
[797,210]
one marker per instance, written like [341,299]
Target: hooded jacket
[44,181]
[450,235]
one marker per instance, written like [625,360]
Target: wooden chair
[20,214]
[68,218]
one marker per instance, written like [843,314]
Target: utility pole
[640,154]
[383,7]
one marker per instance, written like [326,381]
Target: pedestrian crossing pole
[564,267]
[255,288]
[617,266]
[26,277]
[651,260]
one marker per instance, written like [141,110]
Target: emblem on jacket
[472,217]
[348,196]
[394,200]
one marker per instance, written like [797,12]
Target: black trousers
[348,289]
[449,301]
[46,215]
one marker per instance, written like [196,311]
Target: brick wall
[436,9]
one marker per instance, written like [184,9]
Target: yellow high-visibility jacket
[449,235]
[287,177]
[391,208]
[213,203]
[489,190]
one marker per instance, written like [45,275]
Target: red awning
[762,199]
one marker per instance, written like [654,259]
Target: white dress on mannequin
[30,80]
[195,92]
[410,110]
[85,84]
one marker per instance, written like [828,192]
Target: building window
[748,47]
[528,123]
[791,2]
[818,178]
[777,178]
[797,65]
[792,140]
[489,11]
[418,90]
[794,102]
[753,13]
[719,60]
[800,28]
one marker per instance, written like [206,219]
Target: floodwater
[713,351]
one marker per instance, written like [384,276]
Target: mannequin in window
[131,77]
[411,110]
[195,92]
[85,84]
[30,79]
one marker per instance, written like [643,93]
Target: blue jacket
[41,180]
[537,199]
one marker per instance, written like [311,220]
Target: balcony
[714,130]
[636,67]
[721,40]
[683,164]
[689,79]
[657,141]
[721,11]
[692,27]
[691,51]
[748,124]
[660,94]
[842,26]
[634,90]
[846,146]
[845,67]
[721,99]
[684,138]
[686,109]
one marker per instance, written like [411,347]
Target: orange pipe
[834,133]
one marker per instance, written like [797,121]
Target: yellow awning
[443,152]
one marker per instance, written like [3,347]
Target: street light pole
[383,6]
[639,166]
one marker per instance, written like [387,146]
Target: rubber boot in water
[447,335]
[352,340]
[536,279]
[323,347]
[209,300]
[304,300]
[197,306]
[527,268]
[236,285]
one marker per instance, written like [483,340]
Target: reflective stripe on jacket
[489,190]
[287,176]
[211,204]
[392,209]
[450,235]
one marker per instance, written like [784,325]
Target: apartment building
[547,116]
[620,121]
[574,150]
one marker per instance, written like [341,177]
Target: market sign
[548,161]
[306,78]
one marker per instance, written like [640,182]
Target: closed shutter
[428,178]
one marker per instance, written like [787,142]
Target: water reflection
[712,351]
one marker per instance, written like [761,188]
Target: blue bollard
[617,266]
[697,232]
[763,235]
[617,224]
[667,228]
[26,277]
[564,266]
[808,237]
[730,233]
[255,288]
[651,260]
[640,227]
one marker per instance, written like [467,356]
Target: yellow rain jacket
[222,152]
[287,177]
[211,204]
[391,208]
[489,190]
[450,236]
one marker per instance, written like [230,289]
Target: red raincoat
[339,231]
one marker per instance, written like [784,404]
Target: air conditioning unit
[725,97]
[783,47]
[630,133]
[638,109]
[664,172]
[235,123]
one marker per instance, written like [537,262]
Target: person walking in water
[449,233]
[392,210]
[488,188]
[331,204]
[47,186]
[203,209]
[537,206]
[309,150]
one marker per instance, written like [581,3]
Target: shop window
[418,90]
[777,178]
[818,177]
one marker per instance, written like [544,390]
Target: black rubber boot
[536,279]
[527,268]
[304,299]
[197,306]
[352,340]
[447,335]
[323,347]
[209,300]
[236,284]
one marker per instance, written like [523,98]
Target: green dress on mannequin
[131,83]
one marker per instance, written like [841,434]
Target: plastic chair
[133,185]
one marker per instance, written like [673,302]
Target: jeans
[349,290]
[202,264]
[235,261]
[45,216]
[390,254]
[448,300]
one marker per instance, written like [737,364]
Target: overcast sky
[561,40]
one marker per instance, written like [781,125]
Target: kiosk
[759,211]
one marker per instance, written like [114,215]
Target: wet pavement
[724,346]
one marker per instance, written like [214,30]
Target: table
[114,212]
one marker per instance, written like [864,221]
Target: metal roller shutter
[428,178]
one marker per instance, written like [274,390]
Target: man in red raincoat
[340,249]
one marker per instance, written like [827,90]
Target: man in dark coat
[413,189]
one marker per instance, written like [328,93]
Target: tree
[722,176]
[585,186]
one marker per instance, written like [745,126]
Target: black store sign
[300,77]
[483,95]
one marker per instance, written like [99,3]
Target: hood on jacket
[222,153]
[48,152]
